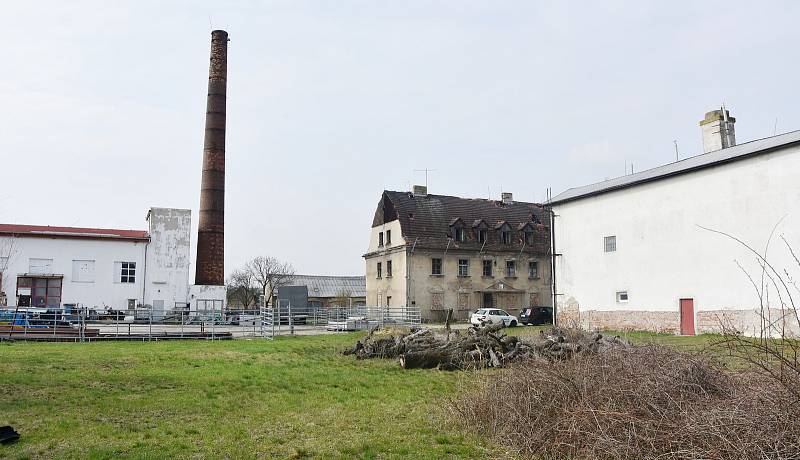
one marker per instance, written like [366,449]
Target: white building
[637,252]
[44,266]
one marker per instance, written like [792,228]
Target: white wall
[168,257]
[104,290]
[662,255]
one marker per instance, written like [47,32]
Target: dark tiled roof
[427,220]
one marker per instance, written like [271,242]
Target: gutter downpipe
[409,253]
[553,264]
[144,272]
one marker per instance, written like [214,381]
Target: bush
[633,403]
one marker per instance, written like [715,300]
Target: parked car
[485,316]
[535,316]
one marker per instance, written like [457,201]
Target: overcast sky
[329,103]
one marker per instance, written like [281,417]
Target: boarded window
[437,301]
[83,271]
[40,266]
[463,301]
[534,299]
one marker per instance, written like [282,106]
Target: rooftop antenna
[676,150]
[426,174]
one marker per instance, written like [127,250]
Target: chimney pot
[420,190]
[508,197]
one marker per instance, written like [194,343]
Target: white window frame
[511,270]
[464,266]
[620,295]
[118,272]
[76,270]
[533,274]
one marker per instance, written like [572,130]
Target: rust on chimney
[211,226]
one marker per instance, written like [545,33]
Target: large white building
[641,252]
[42,266]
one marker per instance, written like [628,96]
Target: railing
[82,324]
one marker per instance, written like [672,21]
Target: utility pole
[426,174]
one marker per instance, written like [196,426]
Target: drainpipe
[144,272]
[553,265]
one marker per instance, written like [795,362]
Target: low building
[644,251]
[439,252]
[42,266]
[327,291]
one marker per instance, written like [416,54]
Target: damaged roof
[427,221]
[717,157]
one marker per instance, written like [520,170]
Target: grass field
[292,398]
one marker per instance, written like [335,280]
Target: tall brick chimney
[211,226]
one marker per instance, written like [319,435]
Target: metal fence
[84,324]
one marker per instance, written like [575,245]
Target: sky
[102,105]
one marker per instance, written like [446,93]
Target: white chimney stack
[718,131]
[420,190]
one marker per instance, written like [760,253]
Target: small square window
[622,296]
[487,268]
[127,272]
[436,266]
[610,243]
[463,267]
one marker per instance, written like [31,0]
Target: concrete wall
[663,255]
[168,257]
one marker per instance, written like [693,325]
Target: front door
[487,300]
[687,316]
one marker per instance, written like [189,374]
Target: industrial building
[644,252]
[438,252]
[47,267]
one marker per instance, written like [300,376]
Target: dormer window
[460,234]
[483,235]
[380,239]
[481,231]
[388,237]
[529,238]
[505,236]
[457,230]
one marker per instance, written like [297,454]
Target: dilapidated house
[439,252]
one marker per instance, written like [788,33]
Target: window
[460,234]
[380,239]
[388,300]
[463,267]
[436,266]
[132,304]
[505,237]
[388,268]
[610,243]
[380,270]
[528,238]
[482,235]
[533,269]
[511,268]
[487,268]
[126,272]
[388,241]
[83,271]
[622,296]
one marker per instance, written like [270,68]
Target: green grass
[295,397]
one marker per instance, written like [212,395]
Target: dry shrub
[633,403]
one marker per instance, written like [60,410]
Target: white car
[485,316]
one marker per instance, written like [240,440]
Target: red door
[687,316]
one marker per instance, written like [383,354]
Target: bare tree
[775,350]
[269,273]
[342,298]
[242,288]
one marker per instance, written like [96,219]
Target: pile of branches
[476,347]
[631,403]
